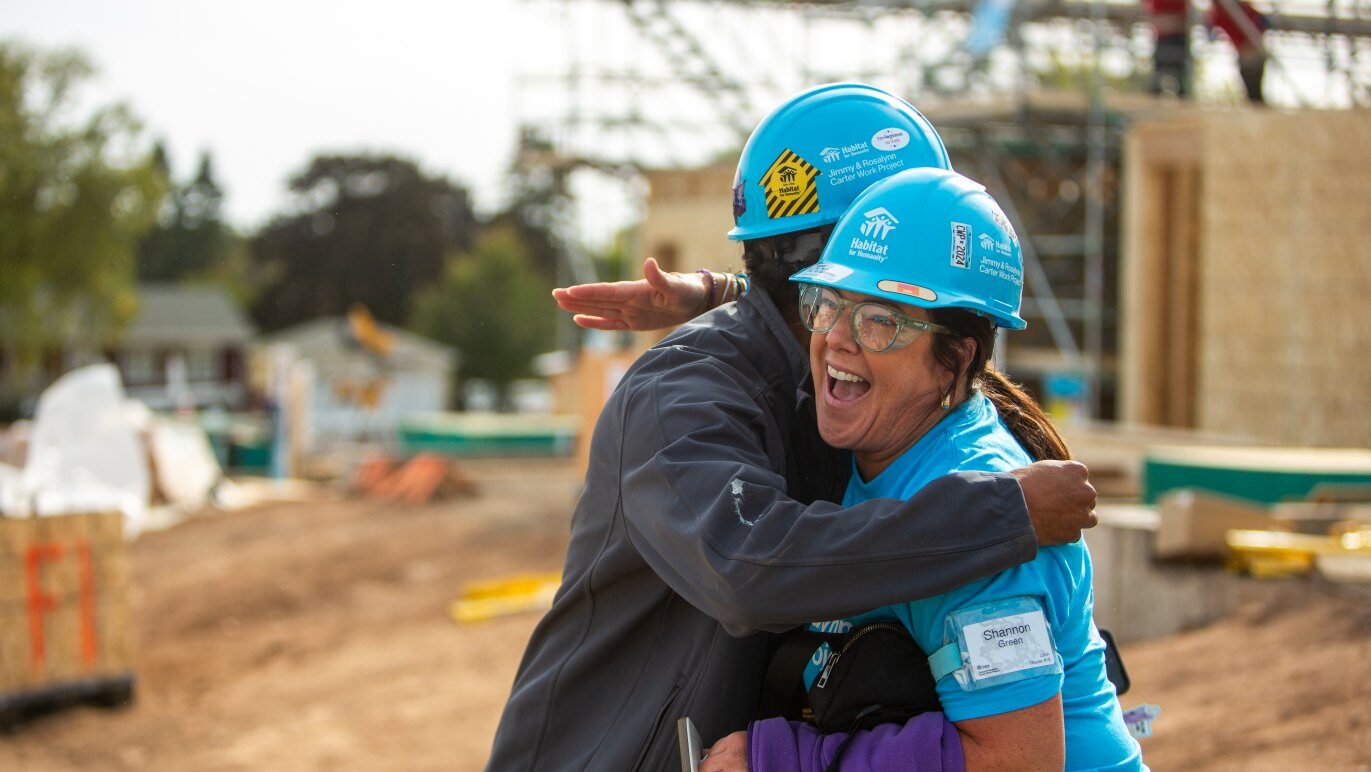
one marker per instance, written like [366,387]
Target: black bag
[878,675]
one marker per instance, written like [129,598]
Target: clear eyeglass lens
[819,308]
[876,328]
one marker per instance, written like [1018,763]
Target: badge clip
[1139,720]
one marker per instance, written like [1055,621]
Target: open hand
[659,299]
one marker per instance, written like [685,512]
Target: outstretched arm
[659,299]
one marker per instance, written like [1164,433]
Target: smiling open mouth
[844,386]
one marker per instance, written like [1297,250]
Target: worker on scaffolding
[1245,27]
[1170,22]
[707,511]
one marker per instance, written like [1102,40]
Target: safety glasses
[875,327]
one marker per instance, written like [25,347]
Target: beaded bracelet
[709,298]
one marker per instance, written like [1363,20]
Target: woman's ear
[966,350]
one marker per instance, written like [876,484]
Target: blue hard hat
[808,159]
[930,238]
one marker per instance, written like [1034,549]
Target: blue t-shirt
[973,438]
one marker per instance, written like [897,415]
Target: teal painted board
[1263,475]
[457,434]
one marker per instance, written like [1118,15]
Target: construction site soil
[312,636]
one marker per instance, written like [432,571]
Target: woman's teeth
[842,376]
[845,387]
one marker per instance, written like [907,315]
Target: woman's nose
[840,336]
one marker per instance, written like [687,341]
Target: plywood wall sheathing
[1162,190]
[66,626]
[1286,277]
[689,211]
[1247,276]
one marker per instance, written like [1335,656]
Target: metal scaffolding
[704,70]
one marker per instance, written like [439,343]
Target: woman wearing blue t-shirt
[903,309]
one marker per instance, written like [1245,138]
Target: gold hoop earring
[947,401]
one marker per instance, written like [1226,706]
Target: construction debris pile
[422,479]
[90,449]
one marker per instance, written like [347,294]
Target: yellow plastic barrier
[485,600]
[1271,554]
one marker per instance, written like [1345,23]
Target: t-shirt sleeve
[926,620]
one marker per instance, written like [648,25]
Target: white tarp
[84,454]
[184,463]
[11,489]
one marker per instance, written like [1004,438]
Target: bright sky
[265,84]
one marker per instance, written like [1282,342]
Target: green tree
[190,239]
[493,307]
[76,195]
[369,229]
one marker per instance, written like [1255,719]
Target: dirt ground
[314,637]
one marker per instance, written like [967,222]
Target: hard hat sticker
[890,139]
[961,245]
[903,288]
[739,200]
[791,186]
[823,272]
[1003,222]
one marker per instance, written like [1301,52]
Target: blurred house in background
[187,348]
[360,377]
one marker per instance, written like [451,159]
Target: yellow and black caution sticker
[791,185]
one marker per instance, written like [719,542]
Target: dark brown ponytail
[1029,424]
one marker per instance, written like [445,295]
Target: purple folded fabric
[927,743]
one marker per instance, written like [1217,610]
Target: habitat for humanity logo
[832,154]
[989,242]
[879,223]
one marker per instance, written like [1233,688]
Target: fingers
[654,275]
[599,323]
[602,291]
[593,308]
[1088,495]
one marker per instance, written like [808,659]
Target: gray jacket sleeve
[706,508]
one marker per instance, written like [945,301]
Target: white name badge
[1002,642]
